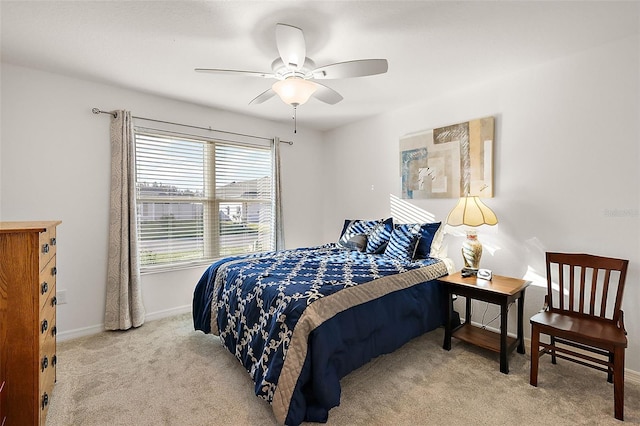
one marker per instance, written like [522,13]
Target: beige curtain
[278,225]
[124,307]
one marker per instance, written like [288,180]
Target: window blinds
[200,199]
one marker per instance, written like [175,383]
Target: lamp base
[471,250]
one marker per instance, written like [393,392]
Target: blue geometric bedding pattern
[253,302]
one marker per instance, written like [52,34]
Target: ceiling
[433,47]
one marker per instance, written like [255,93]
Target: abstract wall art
[448,162]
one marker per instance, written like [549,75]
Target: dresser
[28,320]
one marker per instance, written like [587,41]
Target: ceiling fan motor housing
[282,71]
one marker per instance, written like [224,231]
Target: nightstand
[501,291]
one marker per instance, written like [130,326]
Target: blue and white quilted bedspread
[253,302]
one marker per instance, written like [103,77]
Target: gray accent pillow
[356,242]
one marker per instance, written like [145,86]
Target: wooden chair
[583,311]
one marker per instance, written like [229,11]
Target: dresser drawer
[47,246]
[47,326]
[47,281]
[46,389]
[48,361]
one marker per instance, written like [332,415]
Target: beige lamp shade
[470,211]
[294,90]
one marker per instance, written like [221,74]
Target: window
[200,199]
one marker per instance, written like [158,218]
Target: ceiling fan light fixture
[294,90]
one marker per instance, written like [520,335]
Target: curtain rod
[114,114]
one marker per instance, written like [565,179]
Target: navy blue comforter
[299,320]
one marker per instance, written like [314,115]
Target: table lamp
[470,211]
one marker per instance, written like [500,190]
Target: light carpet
[164,373]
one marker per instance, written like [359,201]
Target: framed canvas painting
[448,162]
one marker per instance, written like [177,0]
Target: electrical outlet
[61,297]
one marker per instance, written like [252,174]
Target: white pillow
[438,250]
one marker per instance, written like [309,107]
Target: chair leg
[535,355]
[553,350]
[610,372]
[618,382]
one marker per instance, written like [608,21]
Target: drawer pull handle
[54,331]
[45,400]
[45,363]
[53,241]
[54,360]
[45,248]
[44,287]
[54,271]
[54,301]
[45,326]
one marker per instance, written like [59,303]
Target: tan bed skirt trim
[326,308]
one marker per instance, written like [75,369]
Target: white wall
[566,161]
[55,164]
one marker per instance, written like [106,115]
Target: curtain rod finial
[114,114]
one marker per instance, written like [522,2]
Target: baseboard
[630,376]
[167,313]
[62,336]
[95,329]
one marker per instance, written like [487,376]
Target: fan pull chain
[295,120]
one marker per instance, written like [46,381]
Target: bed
[299,320]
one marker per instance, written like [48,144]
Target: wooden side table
[500,291]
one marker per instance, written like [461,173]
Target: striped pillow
[403,242]
[379,236]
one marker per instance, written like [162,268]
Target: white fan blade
[291,45]
[326,94]
[248,73]
[359,68]
[264,96]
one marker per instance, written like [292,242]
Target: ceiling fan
[297,74]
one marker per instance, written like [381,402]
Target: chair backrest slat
[549,284]
[582,275]
[562,284]
[592,296]
[586,288]
[605,292]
